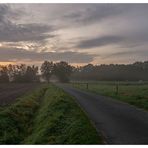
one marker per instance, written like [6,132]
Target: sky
[76,33]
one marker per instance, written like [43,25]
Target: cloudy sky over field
[76,33]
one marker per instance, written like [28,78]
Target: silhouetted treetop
[65,72]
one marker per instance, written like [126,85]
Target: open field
[133,93]
[47,116]
[9,92]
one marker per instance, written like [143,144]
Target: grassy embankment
[133,93]
[48,116]
[16,119]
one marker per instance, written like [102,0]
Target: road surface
[118,122]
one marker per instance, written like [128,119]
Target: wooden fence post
[117,89]
[87,85]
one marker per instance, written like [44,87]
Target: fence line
[115,84]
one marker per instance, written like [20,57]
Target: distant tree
[47,70]
[63,71]
[31,74]
[11,72]
[4,74]
[22,73]
[112,72]
[17,72]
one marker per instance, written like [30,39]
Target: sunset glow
[6,63]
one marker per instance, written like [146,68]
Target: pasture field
[133,93]
[46,116]
[9,92]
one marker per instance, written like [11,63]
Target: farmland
[131,92]
[46,115]
[9,92]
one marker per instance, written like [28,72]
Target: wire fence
[115,84]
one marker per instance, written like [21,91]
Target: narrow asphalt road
[118,122]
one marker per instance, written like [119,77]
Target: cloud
[90,13]
[127,20]
[20,54]
[99,41]
[25,32]
[7,14]
[3,12]
[129,53]
[33,27]
[12,32]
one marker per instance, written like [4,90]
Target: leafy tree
[31,74]
[63,71]
[47,70]
[11,71]
[3,74]
[112,72]
[22,73]
[17,72]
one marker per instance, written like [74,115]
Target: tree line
[24,73]
[112,72]
[65,72]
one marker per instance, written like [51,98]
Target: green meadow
[132,93]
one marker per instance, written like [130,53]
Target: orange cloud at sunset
[6,63]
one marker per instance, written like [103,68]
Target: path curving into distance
[118,122]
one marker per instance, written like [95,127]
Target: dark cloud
[91,13]
[12,32]
[129,53]
[25,32]
[119,54]
[99,41]
[125,25]
[19,54]
[127,20]
[3,12]
[7,14]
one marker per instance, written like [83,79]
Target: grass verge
[16,120]
[57,119]
[133,94]
[61,121]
